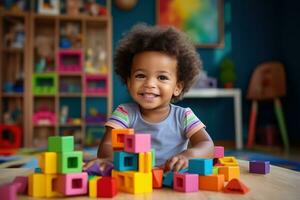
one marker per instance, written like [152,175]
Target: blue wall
[255,31]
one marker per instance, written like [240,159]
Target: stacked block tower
[133,161]
[60,170]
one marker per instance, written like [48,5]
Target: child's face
[153,79]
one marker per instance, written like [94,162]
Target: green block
[61,144]
[70,162]
[215,170]
[153,157]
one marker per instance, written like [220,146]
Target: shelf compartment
[44,84]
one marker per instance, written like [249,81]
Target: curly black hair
[166,40]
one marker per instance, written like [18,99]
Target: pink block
[186,182]
[219,152]
[72,184]
[137,143]
[8,191]
[21,183]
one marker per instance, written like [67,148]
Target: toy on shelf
[44,117]
[70,61]
[49,7]
[96,84]
[205,82]
[44,84]
[95,117]
[95,9]
[227,73]
[15,37]
[95,62]
[64,114]
[73,7]
[70,36]
[44,46]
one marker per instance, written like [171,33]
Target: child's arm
[202,146]
[105,150]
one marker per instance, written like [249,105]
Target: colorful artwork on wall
[202,20]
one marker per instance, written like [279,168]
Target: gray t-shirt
[168,137]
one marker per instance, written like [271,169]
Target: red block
[21,183]
[236,186]
[107,187]
[10,136]
[157,178]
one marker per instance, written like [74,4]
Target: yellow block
[93,186]
[145,162]
[36,185]
[230,172]
[228,161]
[48,162]
[133,182]
[50,192]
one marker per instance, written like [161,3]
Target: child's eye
[140,76]
[163,78]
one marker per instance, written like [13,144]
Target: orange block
[236,186]
[214,182]
[117,137]
[230,172]
[157,178]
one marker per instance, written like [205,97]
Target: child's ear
[178,89]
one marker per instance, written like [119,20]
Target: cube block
[124,161]
[61,143]
[185,182]
[72,184]
[259,167]
[230,172]
[117,137]
[213,182]
[50,185]
[36,185]
[48,162]
[137,143]
[219,152]
[107,187]
[145,162]
[70,162]
[200,166]
[157,178]
[228,161]
[21,183]
[93,186]
[8,191]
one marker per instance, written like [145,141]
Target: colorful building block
[215,170]
[50,187]
[153,157]
[21,183]
[70,162]
[93,186]
[48,162]
[230,172]
[259,166]
[8,191]
[228,161]
[107,187]
[124,161]
[137,143]
[213,182]
[219,152]
[168,179]
[157,178]
[200,166]
[185,182]
[36,185]
[145,162]
[133,182]
[72,184]
[10,136]
[236,186]
[61,143]
[117,137]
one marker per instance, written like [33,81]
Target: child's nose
[150,82]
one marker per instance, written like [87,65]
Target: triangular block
[236,186]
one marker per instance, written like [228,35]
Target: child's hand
[176,163]
[100,167]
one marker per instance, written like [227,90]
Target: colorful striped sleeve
[119,118]
[191,123]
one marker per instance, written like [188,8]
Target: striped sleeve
[191,123]
[119,118]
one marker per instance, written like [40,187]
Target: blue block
[168,179]
[124,161]
[201,166]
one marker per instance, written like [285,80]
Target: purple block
[259,166]
[21,183]
[8,191]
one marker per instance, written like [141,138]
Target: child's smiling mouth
[148,96]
